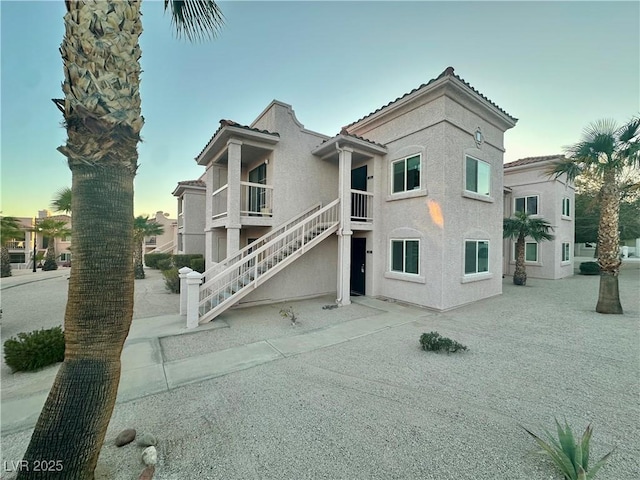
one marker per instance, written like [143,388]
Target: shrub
[589,268]
[172,280]
[5,263]
[165,264]
[197,264]
[570,457]
[138,271]
[432,341]
[34,350]
[180,261]
[50,261]
[290,313]
[151,259]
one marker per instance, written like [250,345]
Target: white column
[208,234]
[344,232]
[182,273]
[193,298]
[234,170]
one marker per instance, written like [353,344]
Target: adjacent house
[21,247]
[191,196]
[405,203]
[529,188]
[162,243]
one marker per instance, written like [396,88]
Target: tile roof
[231,123]
[529,160]
[447,73]
[192,183]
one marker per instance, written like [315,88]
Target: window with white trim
[405,174]
[527,204]
[566,252]
[65,257]
[476,256]
[478,176]
[530,252]
[566,207]
[405,256]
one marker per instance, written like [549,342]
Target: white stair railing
[167,247]
[241,277]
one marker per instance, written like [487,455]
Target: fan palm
[50,228]
[522,226]
[605,152]
[142,227]
[9,229]
[62,201]
[101,56]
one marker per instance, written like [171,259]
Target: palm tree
[9,229]
[605,152]
[50,228]
[142,227]
[101,56]
[62,201]
[522,226]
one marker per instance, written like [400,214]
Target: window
[405,256]
[566,207]
[530,252]
[527,204]
[478,176]
[476,256]
[65,257]
[566,255]
[405,174]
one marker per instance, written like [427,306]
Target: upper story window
[527,204]
[405,174]
[405,256]
[566,207]
[476,256]
[478,176]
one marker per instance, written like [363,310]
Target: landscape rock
[147,440]
[150,456]
[125,436]
[147,473]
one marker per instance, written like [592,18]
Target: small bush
[432,341]
[289,313]
[151,259]
[165,264]
[49,262]
[180,261]
[172,280]
[197,264]
[589,268]
[34,350]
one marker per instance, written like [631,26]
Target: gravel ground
[380,408]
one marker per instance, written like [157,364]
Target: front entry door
[358,262]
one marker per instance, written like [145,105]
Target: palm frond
[569,167]
[62,200]
[195,19]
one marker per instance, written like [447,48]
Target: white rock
[150,456]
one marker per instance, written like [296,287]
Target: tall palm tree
[101,56]
[605,152]
[522,226]
[50,228]
[142,227]
[9,229]
[62,201]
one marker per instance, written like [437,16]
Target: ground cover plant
[571,457]
[434,342]
[589,268]
[34,350]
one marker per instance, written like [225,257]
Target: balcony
[256,204]
[16,244]
[361,210]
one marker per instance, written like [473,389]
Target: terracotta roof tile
[447,73]
[192,183]
[529,160]
[231,123]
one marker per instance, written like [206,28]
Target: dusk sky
[556,66]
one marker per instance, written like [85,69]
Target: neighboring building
[21,247]
[165,242]
[412,191]
[191,198]
[529,187]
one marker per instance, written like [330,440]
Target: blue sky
[554,65]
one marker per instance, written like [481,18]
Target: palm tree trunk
[520,274]
[50,257]
[5,262]
[102,114]
[608,246]
[138,266]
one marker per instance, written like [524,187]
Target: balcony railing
[219,202]
[361,206]
[15,244]
[256,199]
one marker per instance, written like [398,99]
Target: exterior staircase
[229,281]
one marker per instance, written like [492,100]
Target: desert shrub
[5,263]
[165,264]
[50,261]
[151,259]
[172,280]
[571,457]
[180,261]
[434,342]
[197,264]
[138,271]
[34,350]
[589,268]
